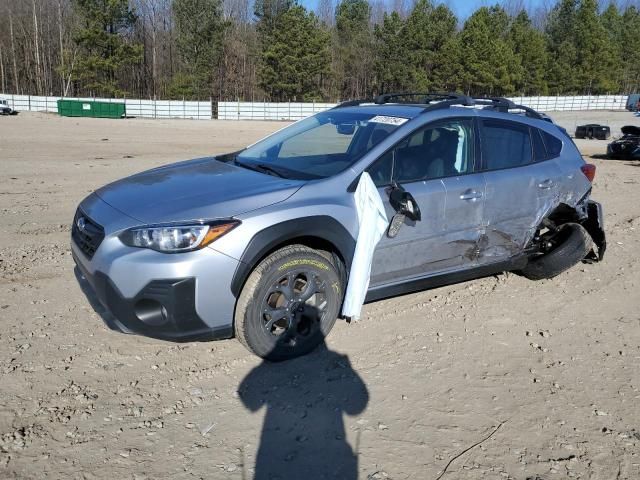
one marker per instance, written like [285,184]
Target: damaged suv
[626,147]
[259,243]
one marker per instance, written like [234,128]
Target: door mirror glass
[404,203]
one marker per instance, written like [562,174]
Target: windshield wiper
[269,169]
[261,167]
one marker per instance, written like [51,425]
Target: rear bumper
[163,309]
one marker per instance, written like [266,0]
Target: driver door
[435,165]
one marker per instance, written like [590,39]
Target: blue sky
[462,8]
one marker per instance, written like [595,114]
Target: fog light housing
[151,312]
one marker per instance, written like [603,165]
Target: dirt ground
[499,378]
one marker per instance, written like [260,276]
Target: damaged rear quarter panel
[520,198]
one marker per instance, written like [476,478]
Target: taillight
[589,171]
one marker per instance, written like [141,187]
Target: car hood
[631,130]
[204,188]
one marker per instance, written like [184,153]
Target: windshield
[319,146]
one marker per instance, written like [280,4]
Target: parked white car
[5,109]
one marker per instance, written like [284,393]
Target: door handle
[546,184]
[470,195]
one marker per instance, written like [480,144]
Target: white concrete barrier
[135,107]
[285,110]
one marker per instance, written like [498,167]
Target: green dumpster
[79,108]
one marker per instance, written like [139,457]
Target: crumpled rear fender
[587,213]
[594,224]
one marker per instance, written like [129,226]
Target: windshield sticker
[388,120]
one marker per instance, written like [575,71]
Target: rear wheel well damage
[563,213]
[587,213]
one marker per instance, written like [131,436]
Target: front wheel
[289,303]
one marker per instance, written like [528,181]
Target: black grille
[89,237]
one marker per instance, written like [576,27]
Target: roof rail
[498,103]
[502,104]
[353,103]
[427,98]
[436,101]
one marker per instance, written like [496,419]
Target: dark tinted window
[381,170]
[554,145]
[438,150]
[505,145]
[539,150]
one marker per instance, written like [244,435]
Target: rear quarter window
[539,149]
[552,144]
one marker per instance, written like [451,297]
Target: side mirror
[404,203]
[405,206]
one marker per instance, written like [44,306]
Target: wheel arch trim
[322,228]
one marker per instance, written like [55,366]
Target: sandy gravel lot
[548,370]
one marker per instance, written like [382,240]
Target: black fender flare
[321,227]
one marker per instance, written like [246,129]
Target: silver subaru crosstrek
[258,243]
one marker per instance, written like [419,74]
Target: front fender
[321,227]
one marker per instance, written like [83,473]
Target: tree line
[279,50]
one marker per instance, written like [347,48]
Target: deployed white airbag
[372,223]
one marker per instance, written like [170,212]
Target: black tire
[572,244]
[275,317]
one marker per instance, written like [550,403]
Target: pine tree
[295,57]
[630,50]
[563,56]
[611,20]
[593,51]
[104,50]
[528,45]
[391,59]
[490,66]
[200,32]
[268,11]
[354,48]
[428,42]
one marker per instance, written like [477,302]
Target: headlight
[177,238]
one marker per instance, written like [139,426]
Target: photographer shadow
[303,435]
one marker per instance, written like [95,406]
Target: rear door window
[505,145]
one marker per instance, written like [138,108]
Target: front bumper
[163,309]
[179,297]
